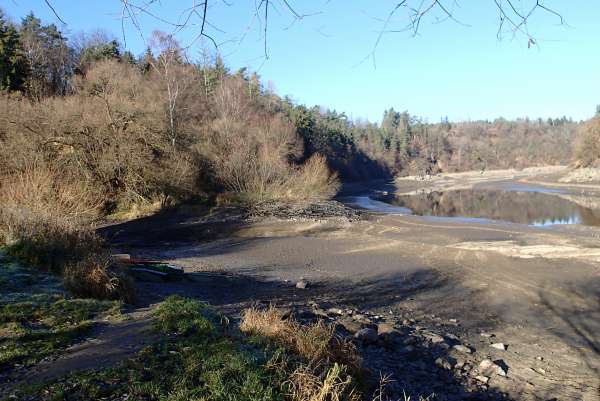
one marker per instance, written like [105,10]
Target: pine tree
[50,60]
[12,63]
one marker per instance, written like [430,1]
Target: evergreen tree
[50,60]
[99,51]
[12,63]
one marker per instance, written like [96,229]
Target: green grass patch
[37,318]
[196,360]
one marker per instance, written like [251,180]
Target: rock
[500,346]
[482,379]
[447,362]
[433,337]
[305,315]
[385,328]
[462,348]
[366,335]
[350,325]
[488,367]
[487,335]
[302,284]
[335,311]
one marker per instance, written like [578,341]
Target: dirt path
[109,343]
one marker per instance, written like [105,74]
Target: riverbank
[533,289]
[462,309]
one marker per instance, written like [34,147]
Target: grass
[196,360]
[37,319]
[319,365]
[202,357]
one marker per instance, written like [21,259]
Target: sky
[330,57]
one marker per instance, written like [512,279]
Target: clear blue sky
[463,72]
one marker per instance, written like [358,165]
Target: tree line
[38,61]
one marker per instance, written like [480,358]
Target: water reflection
[534,208]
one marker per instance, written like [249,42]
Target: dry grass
[314,342]
[331,367]
[96,276]
[43,220]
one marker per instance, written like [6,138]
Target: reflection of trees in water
[518,207]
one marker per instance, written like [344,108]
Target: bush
[252,152]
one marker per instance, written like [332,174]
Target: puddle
[523,207]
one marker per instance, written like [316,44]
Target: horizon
[487,78]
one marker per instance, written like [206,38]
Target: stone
[302,284]
[385,328]
[488,367]
[447,362]
[335,311]
[350,325]
[500,346]
[366,335]
[462,348]
[433,337]
[487,335]
[482,379]
[305,315]
[359,317]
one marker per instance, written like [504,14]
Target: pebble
[500,346]
[463,349]
[445,362]
[335,311]
[487,335]
[433,337]
[302,284]
[488,367]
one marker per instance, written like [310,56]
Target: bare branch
[54,11]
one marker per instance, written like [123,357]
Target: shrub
[313,180]
[252,152]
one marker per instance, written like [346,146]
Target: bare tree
[404,16]
[168,65]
